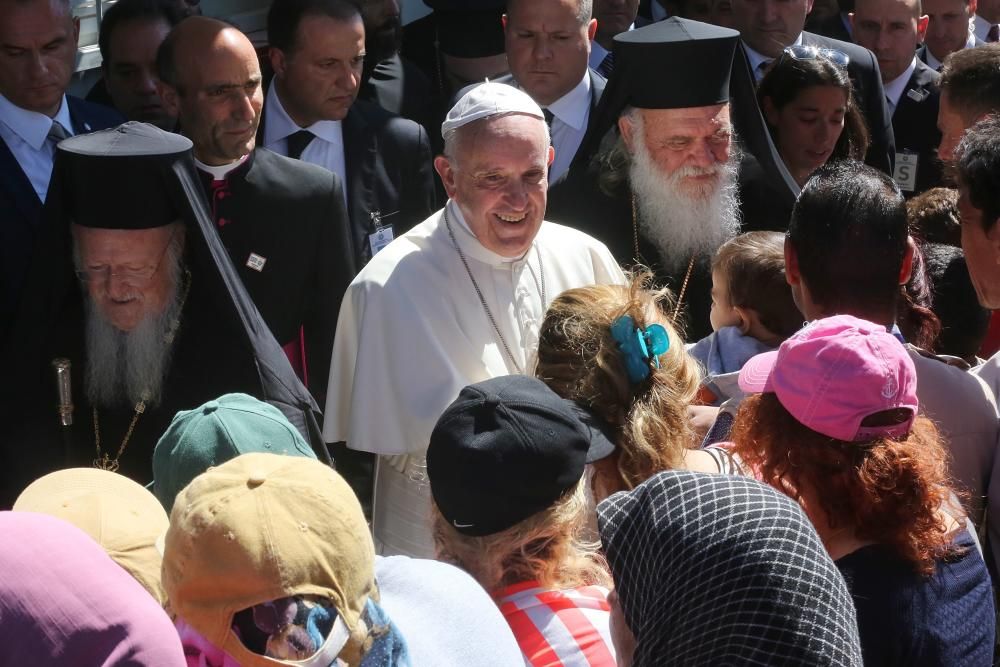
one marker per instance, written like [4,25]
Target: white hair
[678,223]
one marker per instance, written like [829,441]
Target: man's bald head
[210,79]
[193,39]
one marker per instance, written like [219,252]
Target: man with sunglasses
[768,27]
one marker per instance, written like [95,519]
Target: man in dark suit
[37,52]
[892,29]
[394,83]
[767,27]
[949,29]
[548,44]
[282,221]
[311,113]
[131,33]
[613,18]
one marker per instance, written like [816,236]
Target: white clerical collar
[895,88]
[280,125]
[470,243]
[755,58]
[573,108]
[219,172]
[33,127]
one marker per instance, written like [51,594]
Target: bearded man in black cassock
[667,180]
[133,312]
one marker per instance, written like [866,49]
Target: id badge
[905,171]
[380,238]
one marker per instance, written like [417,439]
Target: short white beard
[678,224]
[126,367]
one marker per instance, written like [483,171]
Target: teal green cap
[216,432]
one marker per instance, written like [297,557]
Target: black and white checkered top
[722,570]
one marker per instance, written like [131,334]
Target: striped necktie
[607,65]
[57,132]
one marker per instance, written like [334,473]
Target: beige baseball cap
[262,527]
[119,514]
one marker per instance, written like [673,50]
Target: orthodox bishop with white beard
[663,191]
[133,312]
[456,300]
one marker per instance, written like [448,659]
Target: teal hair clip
[639,347]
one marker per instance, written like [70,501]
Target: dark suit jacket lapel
[80,124]
[360,155]
[921,80]
[923,76]
[15,181]
[597,84]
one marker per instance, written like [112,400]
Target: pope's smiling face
[497,174]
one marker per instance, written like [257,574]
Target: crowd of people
[544,332]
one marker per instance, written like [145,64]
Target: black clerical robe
[222,345]
[284,224]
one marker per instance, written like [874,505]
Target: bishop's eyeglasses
[132,277]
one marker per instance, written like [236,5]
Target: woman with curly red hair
[834,425]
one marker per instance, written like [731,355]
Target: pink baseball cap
[834,373]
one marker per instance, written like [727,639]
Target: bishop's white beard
[678,223]
[126,367]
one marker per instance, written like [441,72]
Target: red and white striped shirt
[559,628]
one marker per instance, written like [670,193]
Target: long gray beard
[124,368]
[680,225]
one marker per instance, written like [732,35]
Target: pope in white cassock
[456,300]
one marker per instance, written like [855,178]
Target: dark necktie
[607,65]
[57,132]
[548,118]
[297,143]
[994,34]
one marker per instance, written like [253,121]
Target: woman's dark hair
[915,317]
[964,321]
[788,77]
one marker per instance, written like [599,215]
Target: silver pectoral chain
[482,299]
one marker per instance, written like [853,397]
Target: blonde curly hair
[580,361]
[549,547]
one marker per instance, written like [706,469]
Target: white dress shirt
[981,27]
[756,58]
[895,88]
[26,135]
[570,114]
[412,332]
[326,150]
[935,64]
